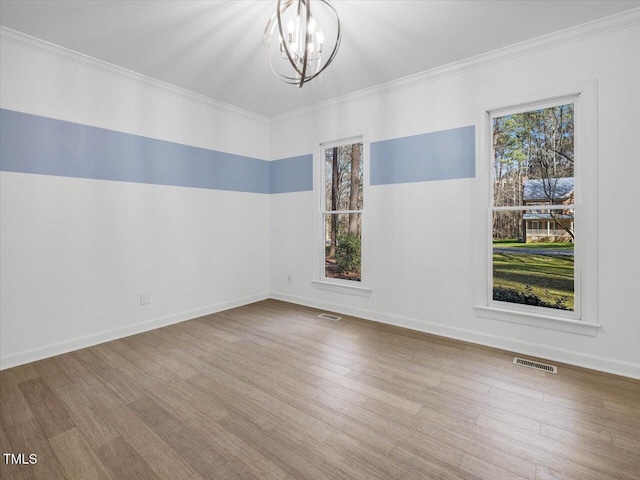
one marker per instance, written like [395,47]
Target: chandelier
[300,54]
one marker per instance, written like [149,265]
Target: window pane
[343,177]
[533,157]
[343,252]
[533,261]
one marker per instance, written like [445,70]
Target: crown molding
[41,46]
[590,29]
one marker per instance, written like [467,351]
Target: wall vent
[328,316]
[537,365]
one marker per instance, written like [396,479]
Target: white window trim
[585,319]
[335,286]
[535,319]
[320,281]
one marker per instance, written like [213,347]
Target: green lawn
[535,245]
[550,277]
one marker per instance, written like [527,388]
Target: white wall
[77,253]
[422,238]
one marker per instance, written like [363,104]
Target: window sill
[341,288]
[538,320]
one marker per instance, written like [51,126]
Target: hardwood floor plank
[236,402]
[268,402]
[77,458]
[631,410]
[168,389]
[14,408]
[447,432]
[387,466]
[233,471]
[168,464]
[250,463]
[486,470]
[364,389]
[93,427]
[7,470]
[164,461]
[124,462]
[115,380]
[397,375]
[70,395]
[629,444]
[543,473]
[193,449]
[548,451]
[428,466]
[570,396]
[582,416]
[302,454]
[283,454]
[84,379]
[27,438]
[174,365]
[335,419]
[47,408]
[513,419]
[393,429]
[19,374]
[598,446]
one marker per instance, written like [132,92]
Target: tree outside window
[533,211]
[342,215]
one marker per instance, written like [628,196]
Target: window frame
[583,320]
[534,309]
[320,280]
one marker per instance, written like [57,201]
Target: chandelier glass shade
[297,47]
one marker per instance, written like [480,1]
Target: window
[533,165]
[538,161]
[342,210]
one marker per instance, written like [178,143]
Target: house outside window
[546,225]
[533,208]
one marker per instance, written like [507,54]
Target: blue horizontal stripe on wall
[293,174]
[40,145]
[442,155]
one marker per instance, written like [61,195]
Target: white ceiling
[215,48]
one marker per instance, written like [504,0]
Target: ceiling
[215,48]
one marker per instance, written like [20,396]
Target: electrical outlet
[144,299]
[289,278]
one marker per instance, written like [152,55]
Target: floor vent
[328,316]
[537,365]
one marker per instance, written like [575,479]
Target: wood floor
[272,391]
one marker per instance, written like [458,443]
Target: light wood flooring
[272,391]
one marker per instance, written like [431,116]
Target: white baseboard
[59,348]
[602,364]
